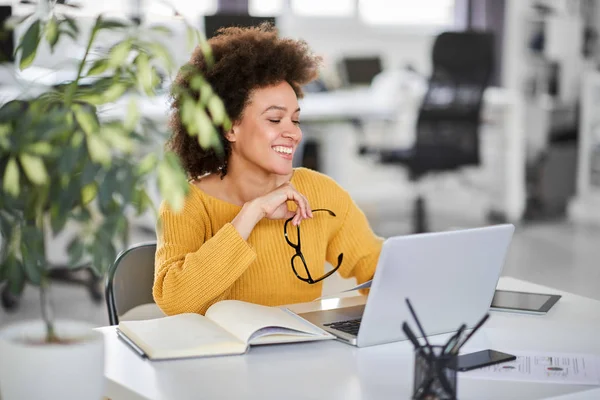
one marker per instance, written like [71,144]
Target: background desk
[332,370]
[397,103]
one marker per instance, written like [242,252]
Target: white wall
[332,38]
[335,38]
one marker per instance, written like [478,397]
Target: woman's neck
[244,183]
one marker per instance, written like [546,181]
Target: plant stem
[73,86]
[45,301]
[47,314]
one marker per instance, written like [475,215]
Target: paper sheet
[365,285]
[543,367]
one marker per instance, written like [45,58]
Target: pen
[481,322]
[412,311]
[410,335]
[454,348]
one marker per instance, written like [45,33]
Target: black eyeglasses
[304,275]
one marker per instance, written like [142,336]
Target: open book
[229,327]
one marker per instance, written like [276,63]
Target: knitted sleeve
[193,271]
[355,239]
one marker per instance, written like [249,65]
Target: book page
[183,335]
[273,335]
[244,319]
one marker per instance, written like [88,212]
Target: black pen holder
[435,374]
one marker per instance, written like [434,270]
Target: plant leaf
[197,82]
[112,24]
[191,37]
[206,92]
[98,150]
[34,168]
[206,129]
[58,219]
[206,50]
[86,119]
[39,148]
[147,164]
[118,53]
[12,110]
[33,269]
[217,110]
[15,276]
[161,29]
[76,249]
[144,73]
[4,265]
[98,67]
[142,201]
[90,98]
[68,33]
[11,178]
[188,109]
[88,193]
[72,24]
[29,45]
[52,33]
[77,139]
[133,115]
[114,92]
[117,137]
[161,52]
[168,188]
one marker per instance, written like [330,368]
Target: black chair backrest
[449,118]
[130,279]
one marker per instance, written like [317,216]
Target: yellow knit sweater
[202,259]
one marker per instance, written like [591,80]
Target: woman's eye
[275,121]
[296,122]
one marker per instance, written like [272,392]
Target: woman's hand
[272,206]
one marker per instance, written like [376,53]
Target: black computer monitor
[212,23]
[7,40]
[360,70]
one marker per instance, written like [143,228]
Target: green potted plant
[66,162]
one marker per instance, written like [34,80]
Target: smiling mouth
[283,150]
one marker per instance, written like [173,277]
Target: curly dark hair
[244,59]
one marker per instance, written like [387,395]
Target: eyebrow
[279,108]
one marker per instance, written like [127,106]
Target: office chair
[447,129]
[130,279]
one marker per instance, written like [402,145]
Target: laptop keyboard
[350,326]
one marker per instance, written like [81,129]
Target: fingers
[303,211]
[289,214]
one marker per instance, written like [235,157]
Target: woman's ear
[231,134]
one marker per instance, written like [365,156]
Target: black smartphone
[484,358]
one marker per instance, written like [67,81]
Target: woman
[238,234]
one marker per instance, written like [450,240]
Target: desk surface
[333,370]
[374,104]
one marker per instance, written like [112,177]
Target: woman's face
[268,133]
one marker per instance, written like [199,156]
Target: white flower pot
[51,371]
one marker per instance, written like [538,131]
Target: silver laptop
[450,278]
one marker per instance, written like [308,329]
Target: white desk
[333,370]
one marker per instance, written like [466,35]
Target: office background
[540,152]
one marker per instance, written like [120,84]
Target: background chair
[447,129]
[129,281]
